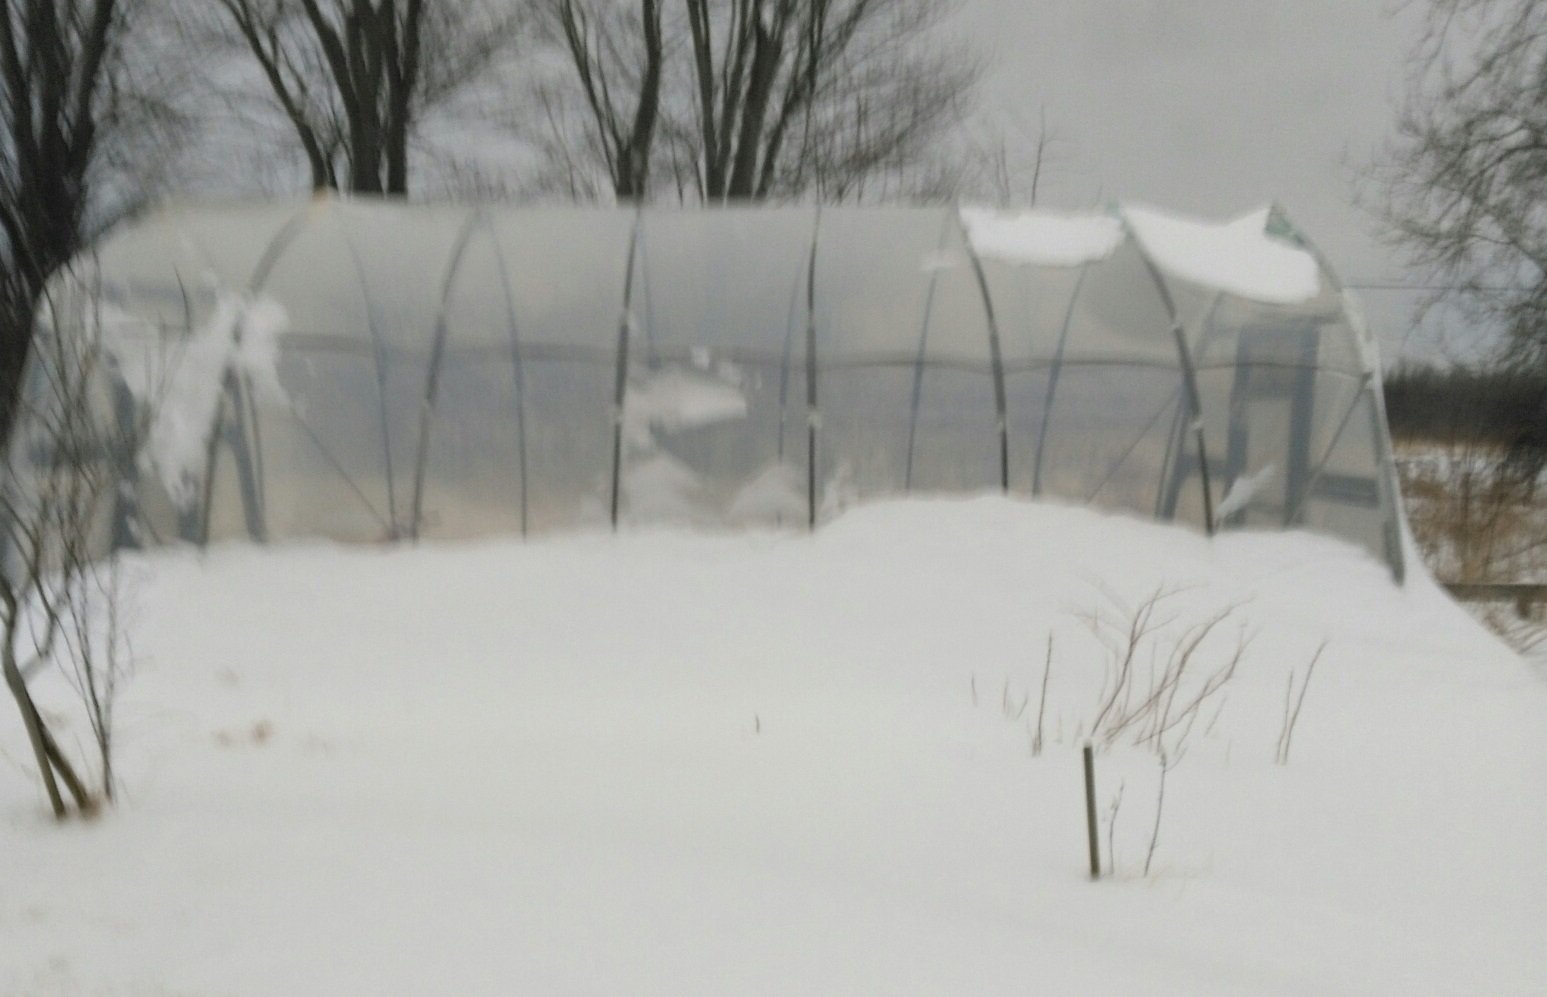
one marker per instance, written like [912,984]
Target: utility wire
[1421,287]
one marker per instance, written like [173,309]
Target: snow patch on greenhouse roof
[1237,257]
[1041,238]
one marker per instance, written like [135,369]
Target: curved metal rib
[918,361]
[1177,437]
[518,370]
[1052,378]
[995,357]
[812,417]
[240,394]
[620,382]
[784,364]
[1189,372]
[432,376]
[379,361]
[1391,530]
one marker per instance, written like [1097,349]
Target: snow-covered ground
[686,763]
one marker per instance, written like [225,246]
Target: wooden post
[1090,812]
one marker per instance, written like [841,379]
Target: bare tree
[771,97]
[78,125]
[1004,161]
[353,78]
[619,80]
[1465,176]
[817,94]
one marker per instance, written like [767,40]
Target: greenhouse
[367,371]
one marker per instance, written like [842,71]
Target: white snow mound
[665,762]
[1041,238]
[1238,257]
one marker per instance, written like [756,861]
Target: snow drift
[764,763]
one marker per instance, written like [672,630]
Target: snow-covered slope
[673,763]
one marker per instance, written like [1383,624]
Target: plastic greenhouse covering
[368,371]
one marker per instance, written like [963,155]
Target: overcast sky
[1215,107]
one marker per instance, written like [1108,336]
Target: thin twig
[1047,668]
[1117,801]
[1293,718]
[1160,803]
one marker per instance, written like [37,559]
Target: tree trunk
[35,736]
[83,801]
[768,53]
[633,180]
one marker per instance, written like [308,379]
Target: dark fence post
[1090,812]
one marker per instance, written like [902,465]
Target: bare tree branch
[1463,179]
[775,98]
[354,78]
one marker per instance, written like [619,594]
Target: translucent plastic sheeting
[168,270]
[465,371]
[51,438]
[719,315]
[1268,425]
[331,432]
[1112,436]
[162,279]
[1120,315]
[898,304]
[1214,322]
[568,281]
[1032,306]
[1343,498]
[407,278]
[476,479]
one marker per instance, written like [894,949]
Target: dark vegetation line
[1504,408]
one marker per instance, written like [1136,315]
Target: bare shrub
[1008,705]
[1047,670]
[725,100]
[1473,517]
[1112,811]
[1157,710]
[1292,713]
[1163,672]
[61,508]
[1166,762]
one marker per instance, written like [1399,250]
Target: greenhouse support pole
[1052,379]
[232,430]
[1195,406]
[1293,514]
[996,359]
[249,458]
[1172,473]
[1386,485]
[620,376]
[1189,374]
[784,367]
[918,363]
[379,360]
[251,471]
[432,375]
[518,370]
[124,440]
[189,521]
[812,416]
[128,525]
